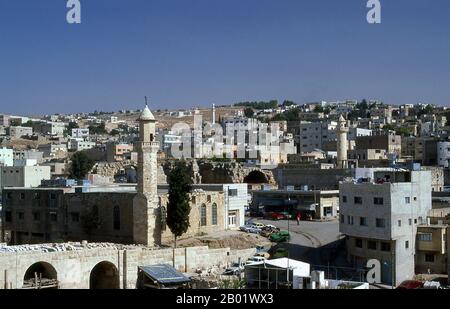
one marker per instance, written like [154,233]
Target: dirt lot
[228,239]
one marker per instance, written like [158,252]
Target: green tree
[178,208]
[114,132]
[98,130]
[29,124]
[81,165]
[318,109]
[248,112]
[68,129]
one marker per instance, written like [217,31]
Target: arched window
[163,218]
[203,215]
[214,214]
[116,218]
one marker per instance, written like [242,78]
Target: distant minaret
[342,143]
[214,114]
[146,227]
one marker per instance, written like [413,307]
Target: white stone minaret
[213,114]
[146,227]
[342,143]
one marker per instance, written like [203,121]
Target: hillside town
[351,194]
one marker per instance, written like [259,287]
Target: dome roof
[146,114]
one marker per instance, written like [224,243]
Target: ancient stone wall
[74,269]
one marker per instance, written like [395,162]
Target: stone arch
[256,177]
[104,275]
[40,275]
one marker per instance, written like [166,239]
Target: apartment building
[23,176]
[390,142]
[18,131]
[380,217]
[6,157]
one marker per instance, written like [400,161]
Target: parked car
[269,230]
[255,259]
[234,270]
[410,285]
[276,216]
[265,255]
[261,249]
[259,225]
[281,236]
[250,229]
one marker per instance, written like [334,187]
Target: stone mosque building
[125,214]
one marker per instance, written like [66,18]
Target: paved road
[309,233]
[317,243]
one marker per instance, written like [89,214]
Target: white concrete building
[380,217]
[29,155]
[79,144]
[236,202]
[52,150]
[80,133]
[6,157]
[23,176]
[314,134]
[18,132]
[443,154]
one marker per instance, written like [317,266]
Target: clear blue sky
[186,53]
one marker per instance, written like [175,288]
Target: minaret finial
[146,103]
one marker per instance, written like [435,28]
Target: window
[350,220]
[193,200]
[8,216]
[407,244]
[232,192]
[53,217]
[214,214]
[36,216]
[385,246]
[21,215]
[378,200]
[208,198]
[415,221]
[116,218]
[407,200]
[380,223]
[342,219]
[429,257]
[372,245]
[163,218]
[410,221]
[426,237]
[344,199]
[52,196]
[203,215]
[358,243]
[37,196]
[75,216]
[358,200]
[363,221]
[399,223]
[22,196]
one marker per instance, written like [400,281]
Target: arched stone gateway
[40,275]
[256,177]
[104,276]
